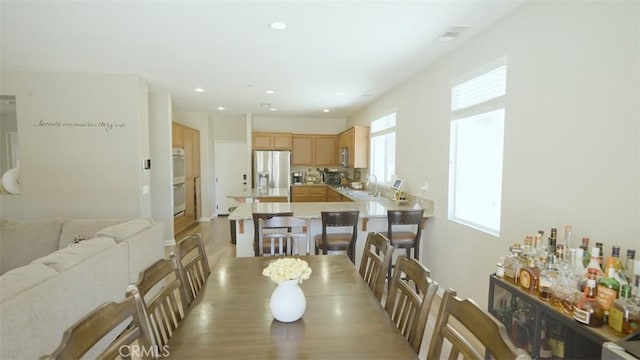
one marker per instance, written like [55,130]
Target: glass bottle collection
[578,280]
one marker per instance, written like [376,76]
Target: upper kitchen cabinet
[271,141]
[314,150]
[177,135]
[356,140]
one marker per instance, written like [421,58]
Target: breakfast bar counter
[373,217]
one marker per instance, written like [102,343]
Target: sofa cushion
[69,256]
[23,242]
[86,228]
[125,230]
[17,280]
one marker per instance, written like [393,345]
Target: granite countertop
[370,207]
[261,192]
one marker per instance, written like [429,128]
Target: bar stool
[338,241]
[403,238]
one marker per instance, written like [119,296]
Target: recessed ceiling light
[198,90]
[340,94]
[278,25]
[269,92]
[220,108]
[272,109]
[325,110]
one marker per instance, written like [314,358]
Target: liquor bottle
[594,263]
[541,248]
[529,276]
[552,241]
[599,246]
[585,248]
[547,279]
[578,270]
[587,310]
[624,315]
[568,229]
[629,265]
[608,287]
[545,346]
[615,253]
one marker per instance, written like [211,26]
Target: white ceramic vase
[287,301]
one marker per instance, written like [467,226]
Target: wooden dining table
[230,318]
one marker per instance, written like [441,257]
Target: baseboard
[170,242]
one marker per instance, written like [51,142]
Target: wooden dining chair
[164,296]
[398,222]
[409,299]
[257,249]
[338,241]
[476,323]
[284,234]
[376,259]
[193,264]
[101,323]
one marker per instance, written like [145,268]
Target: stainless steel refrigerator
[271,169]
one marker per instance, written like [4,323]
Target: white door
[232,175]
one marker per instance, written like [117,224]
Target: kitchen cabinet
[309,193]
[271,141]
[188,139]
[526,316]
[335,196]
[314,150]
[356,140]
[177,135]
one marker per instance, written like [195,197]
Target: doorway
[232,175]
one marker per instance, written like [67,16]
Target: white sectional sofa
[48,282]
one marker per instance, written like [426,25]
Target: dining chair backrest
[469,320]
[286,233]
[257,250]
[347,219]
[376,259]
[164,296]
[405,218]
[409,299]
[99,325]
[193,264]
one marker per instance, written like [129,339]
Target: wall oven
[178,182]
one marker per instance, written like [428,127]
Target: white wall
[299,125]
[161,162]
[571,134]
[200,121]
[75,166]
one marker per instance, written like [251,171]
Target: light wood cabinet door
[318,193]
[177,135]
[281,141]
[299,194]
[261,141]
[198,199]
[195,153]
[356,140]
[302,150]
[190,201]
[326,150]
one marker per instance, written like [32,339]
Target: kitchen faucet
[375,181]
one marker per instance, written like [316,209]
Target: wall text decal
[106,125]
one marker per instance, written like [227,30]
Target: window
[476,148]
[383,149]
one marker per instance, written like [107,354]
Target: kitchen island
[373,217]
[262,195]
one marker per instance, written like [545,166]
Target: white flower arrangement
[287,269]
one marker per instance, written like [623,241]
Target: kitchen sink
[358,193]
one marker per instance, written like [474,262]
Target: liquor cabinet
[537,327]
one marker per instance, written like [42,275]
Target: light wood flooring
[217,241]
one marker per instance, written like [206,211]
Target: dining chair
[470,320]
[375,261]
[399,225]
[284,233]
[193,264]
[164,296]
[409,299]
[334,240]
[257,250]
[101,323]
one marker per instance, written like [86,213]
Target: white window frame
[477,133]
[388,152]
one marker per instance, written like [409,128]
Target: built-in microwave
[178,166]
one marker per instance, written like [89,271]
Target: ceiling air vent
[452,33]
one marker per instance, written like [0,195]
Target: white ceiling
[360,48]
